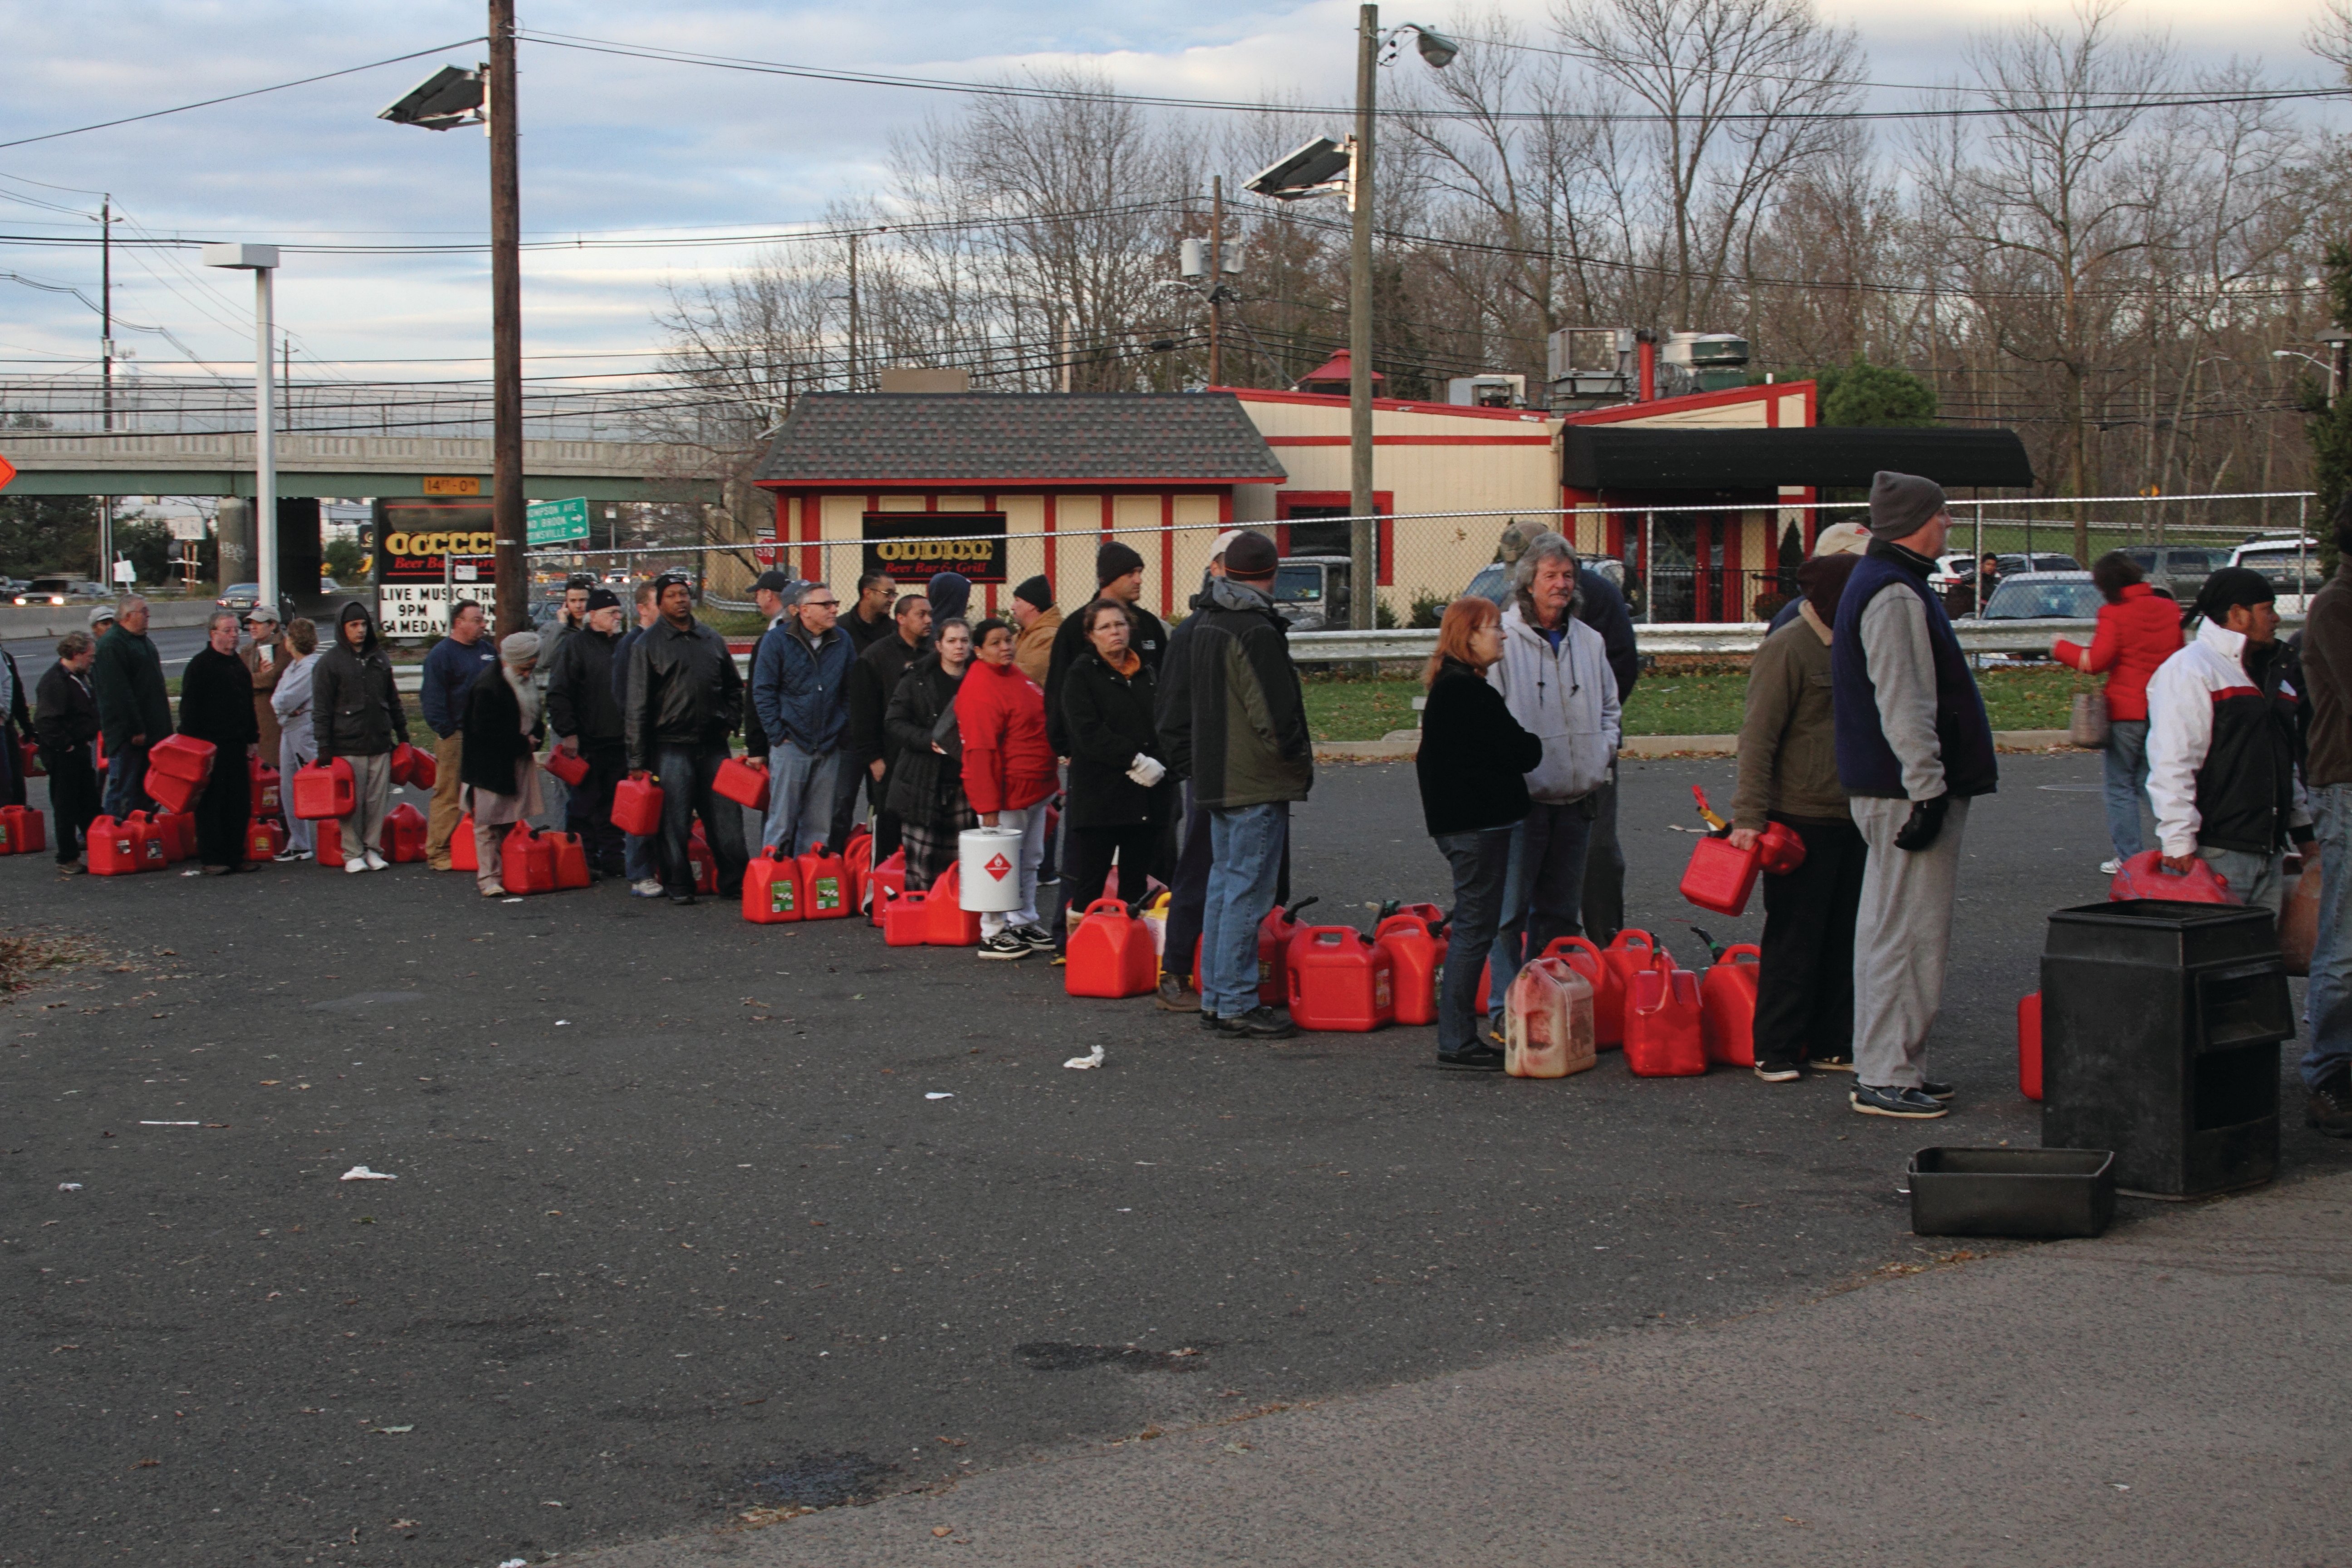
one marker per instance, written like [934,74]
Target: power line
[232,97]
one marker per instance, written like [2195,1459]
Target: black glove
[1925,822]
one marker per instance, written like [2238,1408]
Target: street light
[261,260]
[449,98]
[1312,171]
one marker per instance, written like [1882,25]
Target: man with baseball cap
[2225,743]
[1913,749]
[584,717]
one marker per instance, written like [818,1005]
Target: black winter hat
[2228,588]
[1251,555]
[353,611]
[602,599]
[1115,561]
[1035,590]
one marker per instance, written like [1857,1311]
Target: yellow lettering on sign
[452,485]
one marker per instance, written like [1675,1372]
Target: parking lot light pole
[261,260]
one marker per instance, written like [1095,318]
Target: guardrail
[1727,638]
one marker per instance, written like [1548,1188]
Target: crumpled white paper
[362,1173]
[1093,1058]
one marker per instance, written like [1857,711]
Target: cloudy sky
[613,146]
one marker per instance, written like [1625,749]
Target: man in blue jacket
[800,687]
[449,673]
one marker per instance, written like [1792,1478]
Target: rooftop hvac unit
[1487,391]
[1590,366]
[1701,362]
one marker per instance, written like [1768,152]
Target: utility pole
[1217,280]
[106,375]
[506,327]
[1363,589]
[853,313]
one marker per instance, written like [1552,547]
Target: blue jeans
[1543,895]
[1244,857]
[2254,878]
[1482,865]
[686,773]
[126,782]
[641,855]
[2126,784]
[2328,1005]
[801,785]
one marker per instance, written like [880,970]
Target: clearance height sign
[913,547]
[429,554]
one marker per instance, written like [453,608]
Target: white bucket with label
[988,869]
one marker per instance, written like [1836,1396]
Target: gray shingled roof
[1008,438]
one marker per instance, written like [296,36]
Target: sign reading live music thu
[913,547]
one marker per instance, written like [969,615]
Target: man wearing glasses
[800,688]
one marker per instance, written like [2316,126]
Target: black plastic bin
[2012,1191]
[2160,1032]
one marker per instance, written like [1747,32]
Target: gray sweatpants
[1901,937]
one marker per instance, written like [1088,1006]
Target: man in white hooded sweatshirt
[1555,678]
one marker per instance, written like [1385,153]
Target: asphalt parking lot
[681,1226]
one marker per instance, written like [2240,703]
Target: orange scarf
[1129,662]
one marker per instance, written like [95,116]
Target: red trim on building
[1390,404]
[1109,516]
[1383,503]
[1166,549]
[1024,483]
[1413,441]
[1621,411]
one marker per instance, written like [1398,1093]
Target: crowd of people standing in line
[1177,756]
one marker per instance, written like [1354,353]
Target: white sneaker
[376,862]
[650,887]
[355,865]
[2109,867]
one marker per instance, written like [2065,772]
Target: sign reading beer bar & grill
[913,547]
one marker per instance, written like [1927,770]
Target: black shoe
[1908,1104]
[1210,1024]
[1260,1023]
[1778,1069]
[2329,1108]
[1003,944]
[1934,1090]
[681,899]
[1175,996]
[1831,1064]
[1035,937]
[1478,1057]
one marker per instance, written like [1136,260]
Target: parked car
[45,591]
[89,590]
[1310,592]
[239,596]
[2179,570]
[2291,564]
[2044,596]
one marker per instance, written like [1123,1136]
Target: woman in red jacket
[2140,628]
[1008,777]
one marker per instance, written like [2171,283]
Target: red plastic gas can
[1548,1021]
[570,861]
[1111,954]
[177,767]
[568,765]
[771,888]
[1339,981]
[324,789]
[857,859]
[743,781]
[416,768]
[463,854]
[825,882]
[176,832]
[904,920]
[950,924]
[268,800]
[112,849]
[888,879]
[1417,956]
[1275,935]
[264,840]
[1630,952]
[2029,1045]
[638,806]
[703,862]
[147,841]
[1727,995]
[327,840]
[22,830]
[1665,1036]
[526,862]
[404,834]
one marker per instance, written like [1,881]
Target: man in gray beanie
[1913,749]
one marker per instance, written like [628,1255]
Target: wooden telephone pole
[507,508]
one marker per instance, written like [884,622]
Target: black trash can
[2160,1032]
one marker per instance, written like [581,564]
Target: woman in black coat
[216,705]
[1120,797]
[1472,766]
[927,779]
[66,723]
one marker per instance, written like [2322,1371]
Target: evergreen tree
[2330,429]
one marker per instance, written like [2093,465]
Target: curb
[1400,745]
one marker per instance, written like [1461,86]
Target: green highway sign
[557,522]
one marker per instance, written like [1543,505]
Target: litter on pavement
[362,1173]
[1093,1058]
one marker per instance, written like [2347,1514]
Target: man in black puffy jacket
[355,714]
[685,699]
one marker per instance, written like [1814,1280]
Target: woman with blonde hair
[1472,766]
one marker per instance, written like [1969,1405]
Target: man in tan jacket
[1034,613]
[1788,774]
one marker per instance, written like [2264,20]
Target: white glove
[1147,771]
